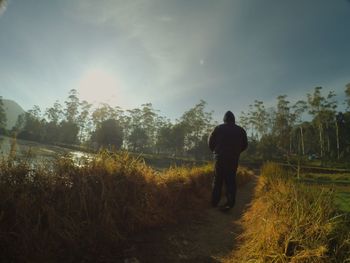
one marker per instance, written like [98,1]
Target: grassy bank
[337,182]
[58,211]
[292,222]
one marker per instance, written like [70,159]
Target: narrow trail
[207,239]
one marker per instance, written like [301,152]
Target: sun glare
[97,85]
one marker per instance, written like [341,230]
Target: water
[37,152]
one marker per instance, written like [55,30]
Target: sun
[98,85]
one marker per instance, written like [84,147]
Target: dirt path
[207,239]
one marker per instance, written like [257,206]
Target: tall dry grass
[292,222]
[61,212]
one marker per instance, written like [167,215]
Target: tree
[259,118]
[164,139]
[109,134]
[178,135]
[3,118]
[68,132]
[19,123]
[267,147]
[329,116]
[347,94]
[323,111]
[83,119]
[315,106]
[339,124]
[299,108]
[145,122]
[72,106]
[102,113]
[244,120]
[201,149]
[54,113]
[149,119]
[252,122]
[138,140]
[196,123]
[32,125]
[282,125]
[344,130]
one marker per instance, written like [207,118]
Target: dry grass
[292,222]
[61,212]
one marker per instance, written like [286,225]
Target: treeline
[314,127]
[143,129]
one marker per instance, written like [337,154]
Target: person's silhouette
[227,141]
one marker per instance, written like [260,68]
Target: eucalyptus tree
[339,125]
[298,110]
[106,116]
[271,116]
[54,113]
[103,112]
[196,122]
[252,122]
[35,112]
[143,124]
[344,127]
[109,134]
[323,110]
[260,117]
[69,127]
[137,139]
[329,116]
[72,106]
[83,120]
[256,120]
[54,116]
[315,103]
[163,135]
[165,138]
[244,120]
[347,94]
[3,118]
[178,135]
[30,124]
[282,123]
[149,122]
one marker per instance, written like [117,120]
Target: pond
[35,151]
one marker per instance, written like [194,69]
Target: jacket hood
[229,117]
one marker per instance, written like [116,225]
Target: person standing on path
[227,141]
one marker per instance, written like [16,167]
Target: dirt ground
[206,239]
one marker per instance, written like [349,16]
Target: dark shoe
[225,208]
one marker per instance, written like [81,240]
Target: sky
[173,53]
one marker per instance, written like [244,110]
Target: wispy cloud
[173,38]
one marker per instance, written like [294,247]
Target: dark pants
[225,172]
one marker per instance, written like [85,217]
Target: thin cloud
[173,48]
[165,18]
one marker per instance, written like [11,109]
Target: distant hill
[12,109]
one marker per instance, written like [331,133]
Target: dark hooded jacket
[228,140]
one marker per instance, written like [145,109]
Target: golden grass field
[60,212]
[292,222]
